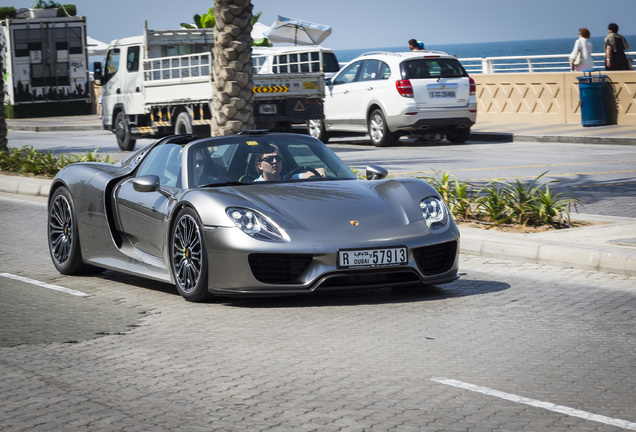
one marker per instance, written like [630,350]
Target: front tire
[316,129]
[188,256]
[63,237]
[379,132]
[125,141]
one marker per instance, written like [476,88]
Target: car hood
[329,210]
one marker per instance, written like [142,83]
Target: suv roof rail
[436,52]
[400,54]
[382,52]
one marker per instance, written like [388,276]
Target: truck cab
[122,83]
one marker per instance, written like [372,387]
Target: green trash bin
[592,92]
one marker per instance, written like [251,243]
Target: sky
[360,24]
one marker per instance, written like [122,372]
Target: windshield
[330,62]
[112,64]
[432,68]
[246,159]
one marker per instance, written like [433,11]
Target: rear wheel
[188,257]
[183,124]
[63,237]
[125,141]
[458,136]
[316,128]
[379,132]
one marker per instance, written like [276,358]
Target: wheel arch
[377,105]
[175,110]
[116,110]
[372,107]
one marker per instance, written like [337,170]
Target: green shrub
[7,12]
[492,204]
[26,160]
[499,202]
[66,10]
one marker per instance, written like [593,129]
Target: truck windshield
[112,64]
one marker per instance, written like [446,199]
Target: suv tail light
[404,88]
[473,87]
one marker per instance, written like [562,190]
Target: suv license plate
[368,258]
[442,94]
[267,109]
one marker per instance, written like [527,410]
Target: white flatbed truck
[160,83]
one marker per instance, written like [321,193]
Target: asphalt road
[508,347]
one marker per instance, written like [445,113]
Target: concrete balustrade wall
[550,98]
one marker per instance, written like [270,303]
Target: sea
[539,47]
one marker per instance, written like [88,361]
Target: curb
[20,185]
[569,139]
[54,128]
[549,253]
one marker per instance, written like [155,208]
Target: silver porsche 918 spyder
[251,214]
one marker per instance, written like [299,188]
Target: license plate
[442,94]
[368,258]
[267,109]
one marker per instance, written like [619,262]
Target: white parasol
[95,47]
[292,30]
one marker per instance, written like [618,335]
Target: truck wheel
[379,132]
[122,131]
[183,124]
[458,136]
[316,128]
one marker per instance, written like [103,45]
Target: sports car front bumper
[240,265]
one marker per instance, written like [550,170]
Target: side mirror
[98,74]
[375,172]
[328,82]
[148,183]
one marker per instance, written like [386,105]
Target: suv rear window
[432,68]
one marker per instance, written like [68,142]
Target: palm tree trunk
[232,73]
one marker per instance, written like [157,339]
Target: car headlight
[254,224]
[435,212]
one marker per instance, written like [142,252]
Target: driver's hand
[308,174]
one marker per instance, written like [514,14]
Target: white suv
[388,95]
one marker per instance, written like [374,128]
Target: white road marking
[45,285]
[539,404]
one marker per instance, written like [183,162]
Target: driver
[271,165]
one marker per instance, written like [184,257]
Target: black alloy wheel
[188,257]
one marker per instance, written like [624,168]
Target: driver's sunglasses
[270,159]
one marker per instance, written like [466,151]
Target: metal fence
[533,63]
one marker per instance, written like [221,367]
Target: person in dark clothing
[615,47]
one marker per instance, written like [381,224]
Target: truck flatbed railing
[288,61]
[179,36]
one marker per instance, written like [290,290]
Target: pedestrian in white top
[583,46]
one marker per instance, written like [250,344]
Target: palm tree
[232,72]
